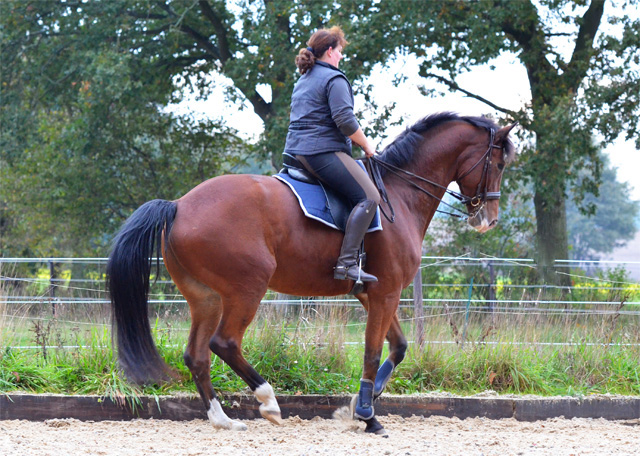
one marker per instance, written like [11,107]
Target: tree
[582,67]
[84,137]
[84,130]
[614,222]
[251,42]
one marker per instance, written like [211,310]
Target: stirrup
[352,272]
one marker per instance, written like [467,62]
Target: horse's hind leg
[238,312]
[205,315]
[206,308]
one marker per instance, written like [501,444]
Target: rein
[477,201]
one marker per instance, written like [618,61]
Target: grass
[294,362]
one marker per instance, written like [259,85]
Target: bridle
[476,202]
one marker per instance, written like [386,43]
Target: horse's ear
[502,138]
[503,133]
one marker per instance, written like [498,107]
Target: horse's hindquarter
[241,231]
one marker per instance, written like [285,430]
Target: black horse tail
[128,273]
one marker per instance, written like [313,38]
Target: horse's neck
[432,162]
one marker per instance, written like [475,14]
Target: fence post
[52,286]
[418,309]
[492,288]
[466,316]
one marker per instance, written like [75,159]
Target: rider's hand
[369,151]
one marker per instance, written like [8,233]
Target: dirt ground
[406,436]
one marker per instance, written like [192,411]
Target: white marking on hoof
[220,420]
[269,408]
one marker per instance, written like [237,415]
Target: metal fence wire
[452,300]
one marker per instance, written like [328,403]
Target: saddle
[321,203]
[318,201]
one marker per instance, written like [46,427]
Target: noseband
[476,202]
[482,194]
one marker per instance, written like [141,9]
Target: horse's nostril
[494,223]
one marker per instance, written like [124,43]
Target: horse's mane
[400,151]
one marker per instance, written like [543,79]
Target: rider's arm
[341,105]
[360,139]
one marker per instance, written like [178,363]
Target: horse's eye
[500,166]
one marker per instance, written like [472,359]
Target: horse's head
[480,175]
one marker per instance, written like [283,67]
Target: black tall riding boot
[359,220]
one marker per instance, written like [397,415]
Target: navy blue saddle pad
[316,205]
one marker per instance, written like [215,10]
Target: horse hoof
[269,408]
[238,426]
[374,427]
[274,417]
[230,425]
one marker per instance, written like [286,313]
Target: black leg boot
[359,220]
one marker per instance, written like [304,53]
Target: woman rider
[321,129]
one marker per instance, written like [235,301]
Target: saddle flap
[320,203]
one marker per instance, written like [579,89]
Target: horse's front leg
[397,350]
[379,319]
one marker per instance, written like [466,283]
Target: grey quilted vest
[311,128]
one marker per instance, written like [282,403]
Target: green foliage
[612,224]
[586,81]
[298,360]
[284,361]
[85,136]
[501,369]
[85,139]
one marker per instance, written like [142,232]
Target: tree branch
[261,107]
[202,40]
[453,85]
[559,34]
[218,26]
[577,68]
[532,40]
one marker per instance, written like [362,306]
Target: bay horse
[233,237]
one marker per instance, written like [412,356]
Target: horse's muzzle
[481,223]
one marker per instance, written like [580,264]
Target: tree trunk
[551,236]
